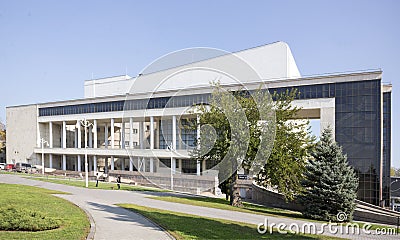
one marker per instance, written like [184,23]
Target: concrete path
[116,223]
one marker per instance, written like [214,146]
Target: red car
[9,167]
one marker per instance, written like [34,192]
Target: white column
[141,135]
[174,133]
[95,134]
[51,134]
[123,134]
[79,163]
[112,163]
[90,145]
[144,164]
[78,125]
[130,163]
[64,135]
[112,133]
[130,132]
[204,165]
[106,136]
[180,165]
[151,132]
[173,165]
[198,146]
[95,164]
[50,160]
[76,137]
[151,165]
[64,161]
[327,119]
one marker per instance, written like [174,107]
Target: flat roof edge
[377,73]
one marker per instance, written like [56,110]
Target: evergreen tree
[330,183]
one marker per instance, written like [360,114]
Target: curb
[92,230]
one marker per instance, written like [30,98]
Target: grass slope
[249,208]
[186,226]
[73,221]
[220,203]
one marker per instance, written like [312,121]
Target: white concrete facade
[130,140]
[121,135]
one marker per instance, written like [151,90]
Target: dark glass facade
[357,125]
[387,136]
[358,130]
[115,106]
[185,138]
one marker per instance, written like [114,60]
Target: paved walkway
[116,223]
[111,222]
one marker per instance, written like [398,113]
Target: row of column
[92,131]
[93,139]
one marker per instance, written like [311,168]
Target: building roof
[270,61]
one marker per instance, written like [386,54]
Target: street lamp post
[392,199]
[42,142]
[171,149]
[85,123]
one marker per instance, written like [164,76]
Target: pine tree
[330,183]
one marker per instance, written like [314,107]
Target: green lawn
[102,185]
[73,222]
[220,203]
[248,208]
[186,226]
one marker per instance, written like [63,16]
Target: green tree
[230,133]
[2,138]
[394,172]
[292,145]
[330,182]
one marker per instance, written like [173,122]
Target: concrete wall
[22,134]
[183,183]
[269,198]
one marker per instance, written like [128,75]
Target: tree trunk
[235,199]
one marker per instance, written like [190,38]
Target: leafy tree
[231,133]
[2,138]
[394,172]
[293,142]
[330,182]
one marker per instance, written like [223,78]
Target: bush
[20,219]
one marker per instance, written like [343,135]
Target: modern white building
[133,120]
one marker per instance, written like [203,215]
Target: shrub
[20,219]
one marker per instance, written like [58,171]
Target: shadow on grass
[185,226]
[248,207]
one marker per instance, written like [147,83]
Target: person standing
[119,182]
[97,179]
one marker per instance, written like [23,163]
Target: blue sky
[48,48]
